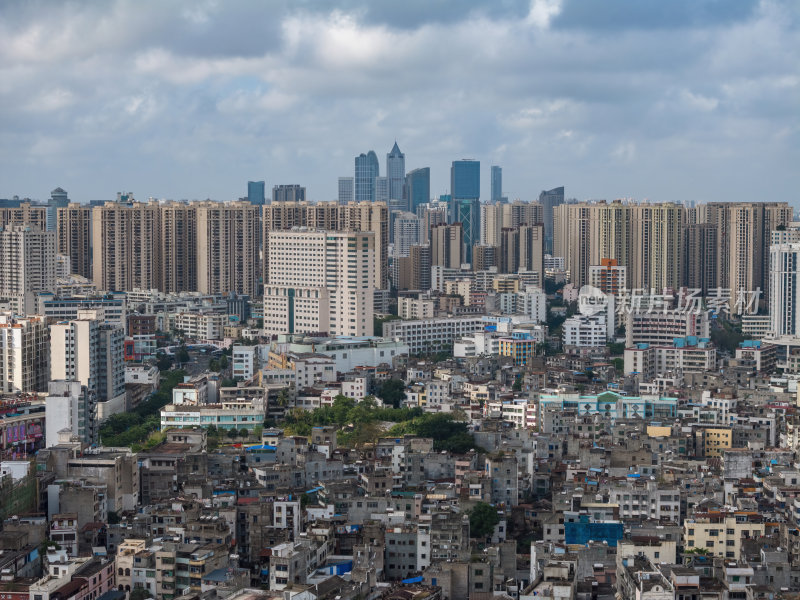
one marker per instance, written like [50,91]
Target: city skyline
[194,101]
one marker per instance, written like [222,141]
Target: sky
[687,100]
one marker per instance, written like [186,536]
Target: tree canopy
[482,520]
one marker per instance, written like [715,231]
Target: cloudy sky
[680,100]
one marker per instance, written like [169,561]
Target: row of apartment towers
[217,247]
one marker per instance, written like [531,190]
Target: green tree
[164,362]
[232,433]
[482,520]
[182,355]
[140,593]
[392,392]
[517,387]
[223,361]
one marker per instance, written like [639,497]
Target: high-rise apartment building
[347,191]
[70,406]
[24,213]
[256,192]
[656,255]
[228,247]
[700,257]
[23,354]
[447,245]
[74,237]
[89,351]
[27,265]
[572,239]
[418,188]
[549,199]
[497,185]
[784,289]
[288,193]
[494,217]
[177,247]
[396,173]
[367,170]
[125,246]
[320,281]
[407,228]
[609,277]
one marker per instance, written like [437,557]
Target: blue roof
[413,580]
[260,447]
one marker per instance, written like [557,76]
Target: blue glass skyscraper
[497,184]
[465,206]
[367,169]
[418,188]
[256,192]
[396,172]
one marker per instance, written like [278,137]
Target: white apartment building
[660,327]
[239,414]
[784,292]
[583,330]
[69,405]
[684,355]
[415,308]
[431,335]
[87,350]
[200,326]
[27,265]
[320,281]
[23,354]
[531,302]
[244,362]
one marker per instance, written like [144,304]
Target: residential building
[288,193]
[74,237]
[24,354]
[27,265]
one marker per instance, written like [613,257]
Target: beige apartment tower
[74,236]
[23,354]
[24,214]
[27,265]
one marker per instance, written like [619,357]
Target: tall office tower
[382,189]
[69,405]
[549,200]
[256,192]
[484,257]
[24,353]
[58,199]
[572,239]
[177,247]
[374,217]
[609,277]
[531,249]
[396,173]
[447,245]
[367,170]
[227,247]
[656,256]
[497,184]
[784,291]
[74,235]
[347,191]
[320,281]
[88,350]
[418,188]
[407,228]
[24,213]
[465,192]
[288,193]
[27,265]
[700,257]
[125,246]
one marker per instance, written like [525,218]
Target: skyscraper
[549,200]
[497,184]
[24,353]
[288,193]
[256,192]
[346,190]
[58,199]
[465,180]
[784,291]
[74,235]
[447,245]
[27,265]
[367,169]
[396,173]
[700,257]
[418,187]
[177,247]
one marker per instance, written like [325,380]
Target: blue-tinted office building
[367,170]
[418,188]
[256,192]
[497,184]
[465,179]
